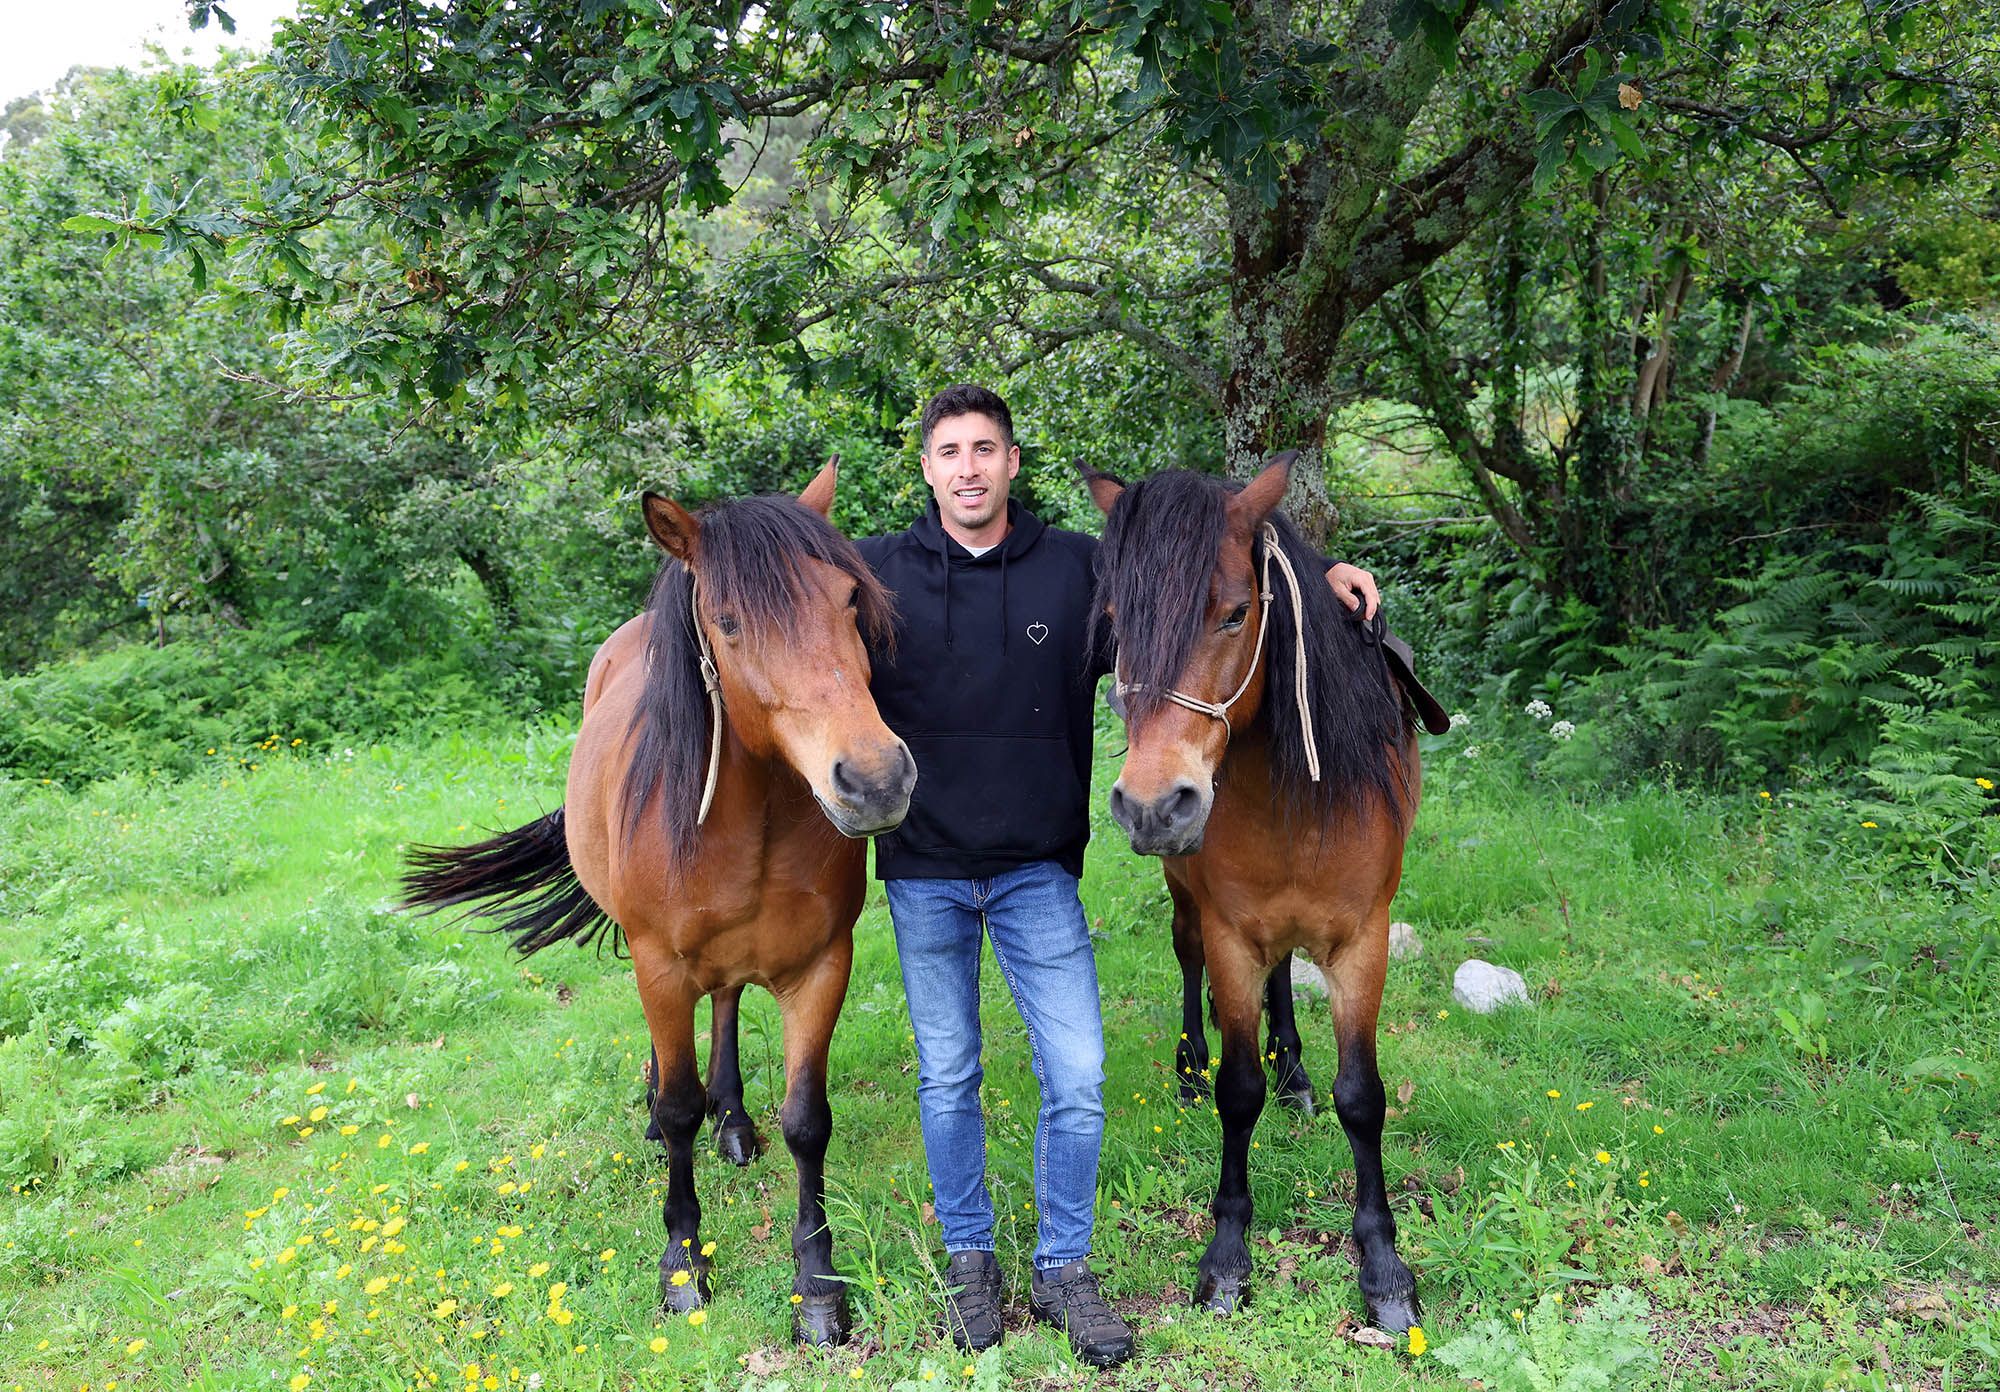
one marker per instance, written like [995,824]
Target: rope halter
[1219,710]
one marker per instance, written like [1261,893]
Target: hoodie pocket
[1005,795]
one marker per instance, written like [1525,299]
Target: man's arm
[1354,587]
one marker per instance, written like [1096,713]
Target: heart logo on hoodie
[1037,632]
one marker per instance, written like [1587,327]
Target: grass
[1755,1090]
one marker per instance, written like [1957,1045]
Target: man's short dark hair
[965,399]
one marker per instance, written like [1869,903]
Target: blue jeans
[1042,943]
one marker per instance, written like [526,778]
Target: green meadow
[260,1131]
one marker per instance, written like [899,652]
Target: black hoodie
[991,684]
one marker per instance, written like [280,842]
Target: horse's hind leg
[819,1312]
[1239,1099]
[1282,1049]
[735,1134]
[1356,975]
[678,1107]
[1191,1053]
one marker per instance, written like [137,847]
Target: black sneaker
[1067,1298]
[972,1300]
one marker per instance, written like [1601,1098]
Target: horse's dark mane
[751,564]
[1160,545]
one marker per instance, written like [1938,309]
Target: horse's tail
[521,878]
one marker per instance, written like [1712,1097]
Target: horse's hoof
[683,1288]
[820,1321]
[1299,1100]
[1219,1295]
[738,1144]
[1396,1312]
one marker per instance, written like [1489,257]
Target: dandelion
[376,1285]
[1659,1130]
[1555,1092]
[1517,1316]
[1985,783]
[608,1254]
[1585,1106]
[659,1344]
[679,1278]
[1869,825]
[538,1270]
[420,1147]
[503,1290]
[279,1193]
[564,1316]
[1603,1157]
[445,1309]
[697,1318]
[394,1226]
[316,1114]
[708,1248]
[1443,1013]
[856,1375]
[1418,1343]
[299,1381]
[134,1347]
[1765,796]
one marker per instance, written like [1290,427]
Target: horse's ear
[1260,497]
[673,526]
[1104,489]
[819,493]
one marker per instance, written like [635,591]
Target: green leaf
[1628,139]
[90,222]
[1548,164]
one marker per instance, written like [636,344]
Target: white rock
[1404,942]
[1306,977]
[1483,988]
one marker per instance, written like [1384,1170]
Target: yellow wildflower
[659,1344]
[1417,1341]
[1603,1157]
[697,1318]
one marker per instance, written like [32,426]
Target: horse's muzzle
[1169,825]
[872,802]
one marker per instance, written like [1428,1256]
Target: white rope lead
[711,681]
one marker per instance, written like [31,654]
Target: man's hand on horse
[1355,588]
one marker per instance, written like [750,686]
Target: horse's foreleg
[678,1106]
[819,1309]
[1282,1049]
[1191,1053]
[1239,1098]
[735,1134]
[1356,975]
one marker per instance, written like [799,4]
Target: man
[991,684]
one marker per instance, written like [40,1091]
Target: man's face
[968,465]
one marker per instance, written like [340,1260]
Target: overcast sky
[41,41]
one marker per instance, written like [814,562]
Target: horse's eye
[1237,618]
[727,623]
[854,598]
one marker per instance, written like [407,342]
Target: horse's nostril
[1121,806]
[1181,806]
[844,781]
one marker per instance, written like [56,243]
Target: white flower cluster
[1561,730]
[1459,720]
[1538,709]
[1472,751]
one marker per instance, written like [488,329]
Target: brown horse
[1272,761]
[729,762]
